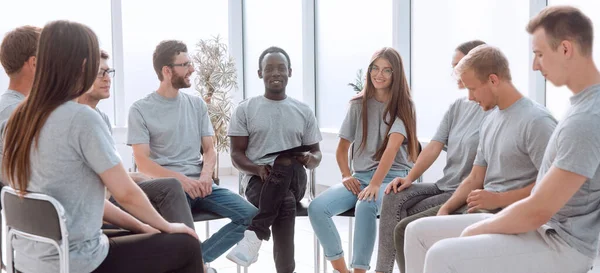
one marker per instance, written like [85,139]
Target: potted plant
[217,78]
[359,81]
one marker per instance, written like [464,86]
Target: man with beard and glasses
[171,136]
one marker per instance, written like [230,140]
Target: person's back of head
[68,59]
[18,50]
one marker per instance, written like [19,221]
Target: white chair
[37,217]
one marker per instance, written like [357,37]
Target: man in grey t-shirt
[165,194]
[556,228]
[168,129]
[261,127]
[567,190]
[17,56]
[512,139]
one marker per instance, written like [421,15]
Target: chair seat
[350,213]
[202,215]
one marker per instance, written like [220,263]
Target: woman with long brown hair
[458,134]
[55,146]
[380,125]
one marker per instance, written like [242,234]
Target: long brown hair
[68,59]
[400,104]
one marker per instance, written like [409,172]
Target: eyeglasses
[374,70]
[186,64]
[104,72]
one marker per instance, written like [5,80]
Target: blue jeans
[230,205]
[338,199]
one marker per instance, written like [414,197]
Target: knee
[316,208]
[172,185]
[364,208]
[400,229]
[246,213]
[185,244]
[412,230]
[439,257]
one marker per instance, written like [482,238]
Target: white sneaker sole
[239,261]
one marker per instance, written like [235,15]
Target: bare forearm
[136,202]
[150,168]
[209,161]
[384,167]
[459,198]
[243,163]
[118,217]
[425,160]
[510,197]
[341,157]
[521,217]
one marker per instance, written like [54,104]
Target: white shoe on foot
[246,251]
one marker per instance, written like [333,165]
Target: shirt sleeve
[578,145]
[137,131]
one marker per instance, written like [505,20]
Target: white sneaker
[210,270]
[246,251]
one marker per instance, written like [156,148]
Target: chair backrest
[35,213]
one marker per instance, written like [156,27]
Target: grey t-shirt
[74,146]
[9,101]
[575,147]
[105,119]
[273,126]
[512,144]
[351,130]
[459,132]
[173,127]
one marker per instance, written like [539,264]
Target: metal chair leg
[350,239]
[317,253]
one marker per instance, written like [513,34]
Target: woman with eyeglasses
[404,201]
[380,126]
[55,146]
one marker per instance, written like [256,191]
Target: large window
[557,99]
[272,23]
[38,13]
[437,31]
[185,20]
[346,40]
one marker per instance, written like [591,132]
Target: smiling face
[275,72]
[101,88]
[381,73]
[181,73]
